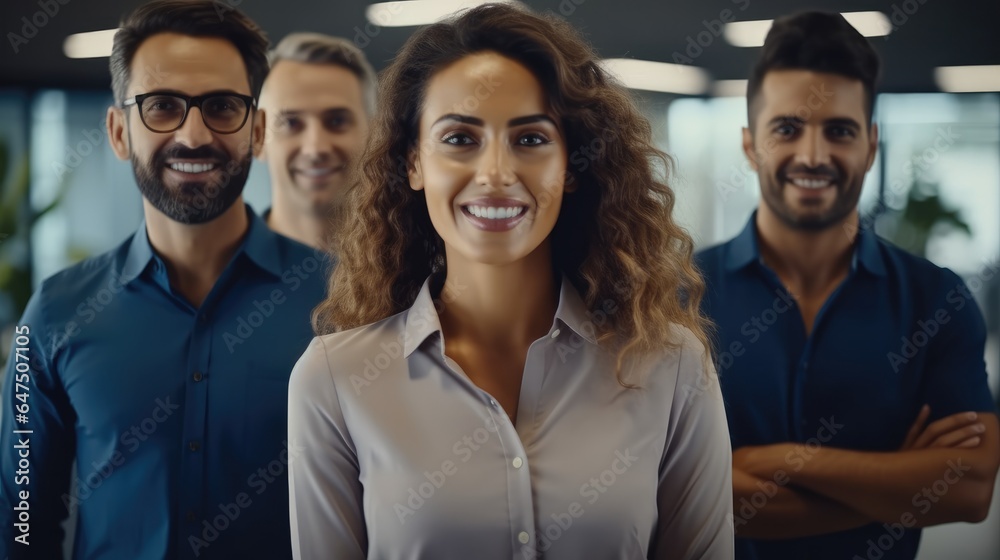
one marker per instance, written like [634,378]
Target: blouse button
[523,537]
[493,403]
[555,333]
[517,462]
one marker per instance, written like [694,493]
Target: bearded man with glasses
[160,369]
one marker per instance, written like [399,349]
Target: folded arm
[935,485]
[773,509]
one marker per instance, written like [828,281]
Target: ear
[413,171]
[748,148]
[257,133]
[258,151]
[873,145]
[118,137]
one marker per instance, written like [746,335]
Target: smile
[320,171]
[494,212]
[812,183]
[494,218]
[191,167]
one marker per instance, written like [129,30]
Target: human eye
[533,139]
[841,132]
[457,139]
[336,122]
[786,130]
[223,105]
[287,123]
[162,104]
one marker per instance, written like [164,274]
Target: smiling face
[491,160]
[811,147]
[316,125]
[192,175]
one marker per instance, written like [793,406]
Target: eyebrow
[791,119]
[324,112]
[207,93]
[843,121]
[465,119]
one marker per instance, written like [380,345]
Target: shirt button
[517,462]
[197,376]
[194,445]
[203,317]
[191,516]
[555,333]
[523,537]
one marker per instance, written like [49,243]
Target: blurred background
[934,189]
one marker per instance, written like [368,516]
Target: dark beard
[192,202]
[772,193]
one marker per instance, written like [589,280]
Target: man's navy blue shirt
[897,333]
[176,416]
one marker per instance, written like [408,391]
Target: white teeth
[811,183]
[495,212]
[192,167]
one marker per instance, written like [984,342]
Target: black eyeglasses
[224,113]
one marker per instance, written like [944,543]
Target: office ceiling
[932,33]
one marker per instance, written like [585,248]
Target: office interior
[934,188]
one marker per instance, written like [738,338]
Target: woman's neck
[502,306]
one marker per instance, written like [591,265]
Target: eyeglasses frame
[191,101]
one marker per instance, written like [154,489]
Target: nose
[193,133]
[317,142]
[495,166]
[813,149]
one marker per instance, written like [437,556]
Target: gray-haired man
[317,100]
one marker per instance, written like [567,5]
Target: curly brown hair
[615,238]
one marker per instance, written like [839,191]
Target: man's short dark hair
[197,18]
[818,42]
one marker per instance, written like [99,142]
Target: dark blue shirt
[176,416]
[897,333]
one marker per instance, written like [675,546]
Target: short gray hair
[316,48]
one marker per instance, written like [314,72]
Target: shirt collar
[140,253]
[422,319]
[868,253]
[260,245]
[572,311]
[744,249]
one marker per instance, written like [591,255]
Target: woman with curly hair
[511,362]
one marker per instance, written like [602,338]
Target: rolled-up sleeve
[324,489]
[695,496]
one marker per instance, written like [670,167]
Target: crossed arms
[943,472]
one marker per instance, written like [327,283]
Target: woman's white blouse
[396,454]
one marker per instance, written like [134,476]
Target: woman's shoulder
[350,350]
[682,361]
[683,346]
[365,335]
